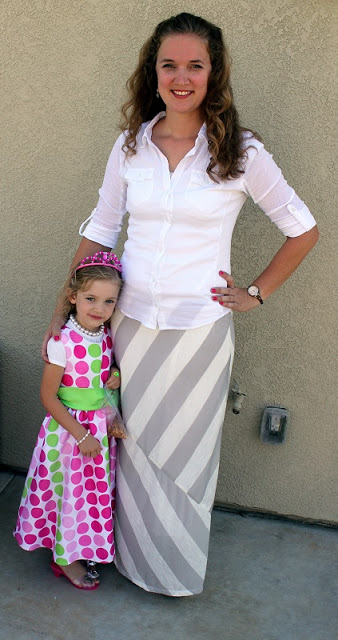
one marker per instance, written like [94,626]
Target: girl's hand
[114,380]
[53,330]
[90,447]
[233,297]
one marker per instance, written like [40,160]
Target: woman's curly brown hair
[224,133]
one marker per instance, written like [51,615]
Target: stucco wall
[64,65]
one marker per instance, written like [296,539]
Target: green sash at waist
[82,399]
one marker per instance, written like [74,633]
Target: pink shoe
[88,581]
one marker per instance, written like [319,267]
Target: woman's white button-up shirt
[180,225]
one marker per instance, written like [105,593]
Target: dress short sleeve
[56,353]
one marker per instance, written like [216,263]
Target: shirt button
[291,208]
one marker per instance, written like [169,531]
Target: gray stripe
[184,510]
[182,385]
[161,539]
[125,332]
[191,439]
[198,489]
[151,362]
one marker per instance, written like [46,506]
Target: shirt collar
[146,136]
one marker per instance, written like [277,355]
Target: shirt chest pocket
[140,186]
[203,194]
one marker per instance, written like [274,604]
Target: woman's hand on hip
[233,297]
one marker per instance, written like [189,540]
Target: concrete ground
[266,580]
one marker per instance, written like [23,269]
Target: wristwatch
[254,292]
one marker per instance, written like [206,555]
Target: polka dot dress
[68,500]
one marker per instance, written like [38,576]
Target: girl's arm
[50,383]
[283,264]
[86,248]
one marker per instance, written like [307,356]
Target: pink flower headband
[100,259]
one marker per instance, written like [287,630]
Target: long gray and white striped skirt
[174,391]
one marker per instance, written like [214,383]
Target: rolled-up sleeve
[105,222]
[265,183]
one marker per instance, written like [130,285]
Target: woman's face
[183,67]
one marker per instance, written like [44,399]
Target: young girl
[68,500]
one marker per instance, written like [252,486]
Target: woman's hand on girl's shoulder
[53,331]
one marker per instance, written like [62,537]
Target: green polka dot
[55,466]
[59,500]
[53,455]
[52,440]
[29,482]
[96,382]
[105,441]
[106,455]
[53,425]
[94,350]
[61,561]
[96,366]
[108,468]
[58,535]
[57,478]
[59,520]
[59,550]
[24,493]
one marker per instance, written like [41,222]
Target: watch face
[253,290]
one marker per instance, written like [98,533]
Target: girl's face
[95,304]
[183,67]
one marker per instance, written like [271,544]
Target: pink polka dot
[90,485]
[44,532]
[64,436]
[105,362]
[67,380]
[69,367]
[104,500]
[47,542]
[82,382]
[80,351]
[85,541]
[42,459]
[26,526]
[52,517]
[73,557]
[25,512]
[100,413]
[104,376]
[18,537]
[80,516]
[109,342]
[66,448]
[75,464]
[91,498]
[34,500]
[78,491]
[99,540]
[71,546]
[66,492]
[93,512]
[81,367]
[98,459]
[66,508]
[102,554]
[75,337]
[43,471]
[34,485]
[68,352]
[102,486]
[104,346]
[108,525]
[91,415]
[96,526]
[88,471]
[110,538]
[79,504]
[93,428]
[50,505]
[30,539]
[106,513]
[68,522]
[99,472]
[103,426]
[76,478]
[36,512]
[82,528]
[43,485]
[64,338]
[69,534]
[87,553]
[40,523]
[47,495]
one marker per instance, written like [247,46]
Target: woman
[182,168]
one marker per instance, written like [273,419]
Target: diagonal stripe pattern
[173,394]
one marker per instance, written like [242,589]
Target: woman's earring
[157,93]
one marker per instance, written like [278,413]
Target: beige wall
[64,65]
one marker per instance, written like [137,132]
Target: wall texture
[63,67]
